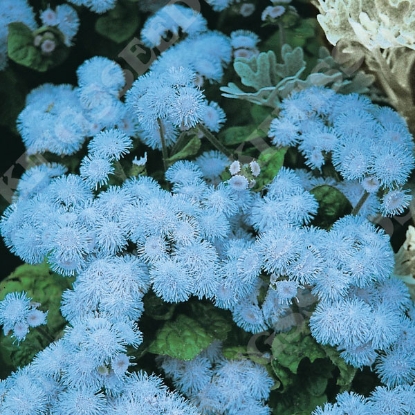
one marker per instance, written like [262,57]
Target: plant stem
[45,334]
[214,141]
[282,35]
[178,143]
[385,76]
[119,171]
[360,203]
[163,143]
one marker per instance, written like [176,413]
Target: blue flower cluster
[220,386]
[56,384]
[97,6]
[18,313]
[194,241]
[165,103]
[393,401]
[252,253]
[59,118]
[366,143]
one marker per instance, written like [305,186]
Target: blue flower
[82,401]
[190,377]
[279,246]
[212,164]
[69,192]
[183,172]
[67,247]
[102,72]
[110,144]
[97,6]
[95,171]
[392,401]
[67,21]
[394,202]
[248,315]
[37,178]
[172,18]
[396,367]
[170,280]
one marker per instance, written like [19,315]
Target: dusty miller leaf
[265,96]
[293,65]
[257,71]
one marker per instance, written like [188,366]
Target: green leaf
[20,48]
[347,372]
[187,336]
[284,376]
[297,402]
[181,339]
[236,135]
[333,204]
[270,160]
[288,349]
[156,308]
[261,114]
[120,23]
[302,33]
[317,385]
[235,353]
[216,322]
[190,149]
[43,286]
[257,71]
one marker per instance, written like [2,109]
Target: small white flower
[255,168]
[238,182]
[20,330]
[120,364]
[36,318]
[49,17]
[371,184]
[235,167]
[273,12]
[141,161]
[395,202]
[247,9]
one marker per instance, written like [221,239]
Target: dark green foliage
[185,337]
[120,23]
[21,48]
[270,160]
[333,204]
